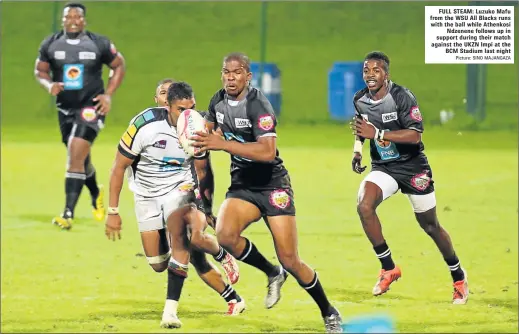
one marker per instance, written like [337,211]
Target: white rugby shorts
[389,187]
[152,213]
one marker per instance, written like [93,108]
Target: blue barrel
[344,79]
[271,83]
[369,323]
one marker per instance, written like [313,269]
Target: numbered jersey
[78,63]
[160,164]
[245,121]
[396,111]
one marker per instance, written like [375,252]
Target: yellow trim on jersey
[127,140]
[132,130]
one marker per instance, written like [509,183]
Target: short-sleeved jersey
[160,164]
[245,121]
[78,63]
[396,111]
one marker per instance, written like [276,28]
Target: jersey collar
[389,87]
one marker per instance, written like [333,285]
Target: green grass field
[78,281]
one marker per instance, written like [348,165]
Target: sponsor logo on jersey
[415,114]
[186,187]
[160,144]
[172,164]
[266,122]
[73,76]
[386,149]
[232,136]
[421,181]
[279,198]
[89,114]
[87,55]
[219,117]
[59,54]
[382,143]
[173,161]
[242,123]
[392,116]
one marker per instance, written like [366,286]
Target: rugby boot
[333,323]
[230,266]
[274,288]
[64,221]
[385,279]
[170,320]
[98,209]
[235,307]
[460,295]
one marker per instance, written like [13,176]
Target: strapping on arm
[357,146]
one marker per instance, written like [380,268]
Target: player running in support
[260,184]
[159,174]
[69,66]
[389,116]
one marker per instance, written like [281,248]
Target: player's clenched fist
[113,227]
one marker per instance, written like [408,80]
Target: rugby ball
[188,123]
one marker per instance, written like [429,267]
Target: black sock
[221,255]
[91,184]
[455,267]
[73,185]
[315,289]
[253,257]
[90,181]
[229,294]
[384,255]
[177,273]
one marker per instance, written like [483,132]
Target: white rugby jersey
[160,164]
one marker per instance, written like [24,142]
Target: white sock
[171,306]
